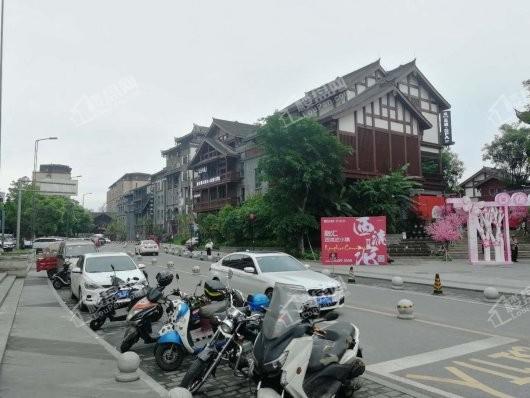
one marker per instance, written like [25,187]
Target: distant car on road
[259,272]
[146,247]
[42,243]
[192,241]
[26,243]
[93,272]
[9,243]
[71,249]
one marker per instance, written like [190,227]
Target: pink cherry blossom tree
[446,230]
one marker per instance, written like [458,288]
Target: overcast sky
[153,68]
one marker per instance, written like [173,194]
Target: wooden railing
[215,204]
[216,180]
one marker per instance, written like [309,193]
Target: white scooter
[301,356]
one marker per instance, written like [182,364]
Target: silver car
[258,273]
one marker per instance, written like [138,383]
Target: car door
[250,282]
[75,278]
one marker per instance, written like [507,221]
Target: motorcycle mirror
[177,276]
[331,316]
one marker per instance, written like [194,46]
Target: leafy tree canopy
[452,170]
[509,152]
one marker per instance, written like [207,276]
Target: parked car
[93,274]
[27,243]
[9,243]
[71,249]
[146,247]
[259,272]
[41,243]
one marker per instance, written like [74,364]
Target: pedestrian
[209,247]
[515,249]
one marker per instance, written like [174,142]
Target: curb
[405,390]
[155,386]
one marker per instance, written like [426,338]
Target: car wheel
[82,305]
[268,293]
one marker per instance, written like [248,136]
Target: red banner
[353,240]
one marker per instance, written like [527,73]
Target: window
[105,264]
[77,250]
[279,263]
[233,261]
[257,179]
[246,261]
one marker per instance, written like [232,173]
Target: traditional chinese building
[485,184]
[390,118]
[224,166]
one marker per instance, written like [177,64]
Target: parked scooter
[120,295]
[61,278]
[144,312]
[192,320]
[301,354]
[232,342]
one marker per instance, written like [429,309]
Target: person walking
[515,250]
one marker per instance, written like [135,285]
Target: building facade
[219,170]
[389,119]
[179,179]
[484,184]
[123,185]
[55,179]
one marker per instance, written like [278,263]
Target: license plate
[325,301]
[121,294]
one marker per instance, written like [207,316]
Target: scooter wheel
[57,284]
[96,324]
[169,356]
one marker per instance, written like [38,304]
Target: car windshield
[77,250]
[105,264]
[148,242]
[279,264]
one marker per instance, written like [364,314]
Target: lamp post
[85,194]
[35,157]
[20,184]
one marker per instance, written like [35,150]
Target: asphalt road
[454,347]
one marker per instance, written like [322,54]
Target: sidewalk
[48,355]
[511,278]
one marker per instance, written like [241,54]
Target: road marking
[498,365]
[425,358]
[520,381]
[463,380]
[437,324]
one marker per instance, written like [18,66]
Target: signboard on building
[353,240]
[445,126]
[208,181]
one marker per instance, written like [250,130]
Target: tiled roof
[237,129]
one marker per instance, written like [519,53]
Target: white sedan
[258,273]
[93,273]
[146,247]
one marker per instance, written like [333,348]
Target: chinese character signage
[353,240]
[445,128]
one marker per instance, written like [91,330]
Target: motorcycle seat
[330,347]
[210,310]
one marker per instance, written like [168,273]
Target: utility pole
[20,183]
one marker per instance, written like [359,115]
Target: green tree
[54,215]
[452,170]
[524,116]
[117,230]
[509,152]
[389,196]
[302,164]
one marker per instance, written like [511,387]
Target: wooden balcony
[212,205]
[230,176]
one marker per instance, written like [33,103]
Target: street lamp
[85,194]
[35,156]
[20,183]
[252,219]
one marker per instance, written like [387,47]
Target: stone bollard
[397,283]
[153,261]
[166,249]
[179,392]
[210,258]
[170,265]
[491,295]
[405,309]
[128,364]
[201,256]
[190,254]
[125,244]
[139,257]
[196,269]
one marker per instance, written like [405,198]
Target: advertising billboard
[353,240]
